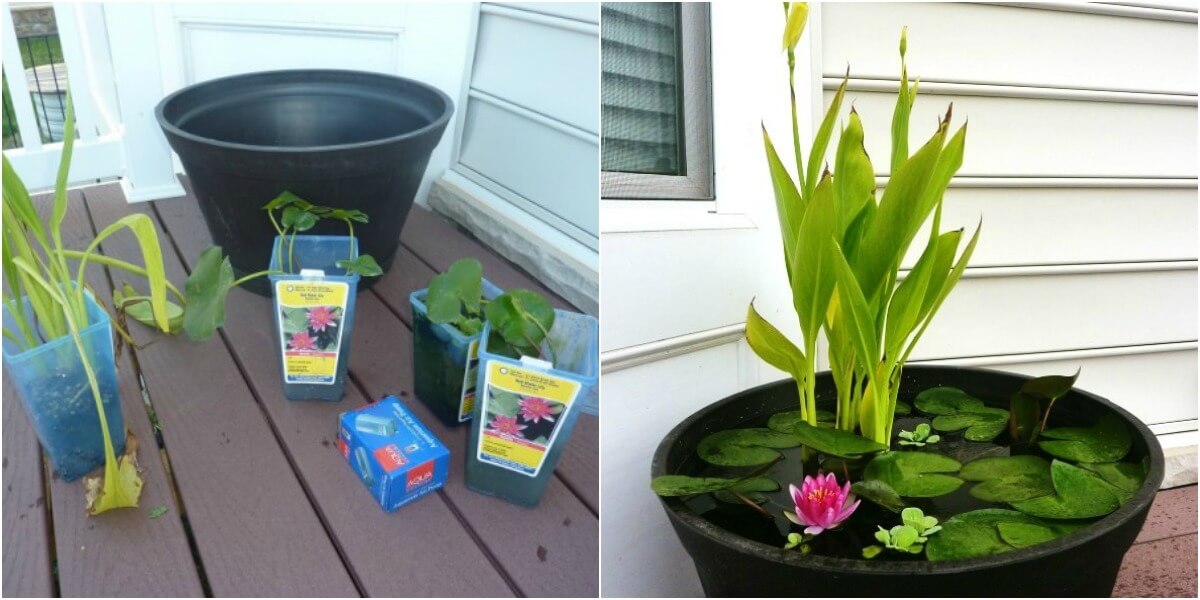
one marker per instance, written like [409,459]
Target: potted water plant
[58,336]
[526,371]
[876,476]
[314,282]
[448,319]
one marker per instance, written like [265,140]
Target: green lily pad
[1125,477]
[915,474]
[744,447]
[978,533]
[878,492]
[1079,494]
[785,422]
[902,408]
[1107,441]
[682,485]
[1009,478]
[1023,535]
[982,423]
[729,497]
[835,441]
[752,489]
[945,401]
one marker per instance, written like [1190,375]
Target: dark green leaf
[772,346]
[945,401]
[1023,535]
[915,474]
[1078,494]
[1108,440]
[682,485]
[976,533]
[364,266]
[744,447]
[284,199]
[731,497]
[903,408]
[1125,477]
[305,221]
[788,202]
[1024,418]
[760,483]
[522,318]
[878,492]
[470,326]
[290,215]
[1049,387]
[785,422]
[206,289]
[460,286]
[837,442]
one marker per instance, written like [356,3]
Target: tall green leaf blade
[951,280]
[947,248]
[821,141]
[854,184]
[900,115]
[772,346]
[905,306]
[16,196]
[788,202]
[59,211]
[813,280]
[859,320]
[898,218]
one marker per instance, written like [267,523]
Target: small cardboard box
[394,455]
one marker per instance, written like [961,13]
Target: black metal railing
[45,71]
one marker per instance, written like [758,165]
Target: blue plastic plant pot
[525,411]
[313,314]
[444,361]
[56,394]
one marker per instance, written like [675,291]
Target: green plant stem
[350,224]
[795,121]
[120,264]
[291,253]
[255,275]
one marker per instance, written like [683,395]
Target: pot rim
[844,566]
[173,129]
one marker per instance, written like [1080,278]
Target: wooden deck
[260,502]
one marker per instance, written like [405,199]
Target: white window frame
[697,184]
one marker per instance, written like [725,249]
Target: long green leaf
[16,196]
[813,280]
[59,211]
[859,320]
[788,202]
[854,184]
[772,346]
[898,218]
[947,249]
[142,227]
[900,116]
[821,142]
[905,306]
[947,286]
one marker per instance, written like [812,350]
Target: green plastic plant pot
[445,361]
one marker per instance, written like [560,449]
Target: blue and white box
[392,453]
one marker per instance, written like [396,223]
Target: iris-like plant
[843,249]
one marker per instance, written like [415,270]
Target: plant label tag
[310,329]
[523,410]
[536,363]
[466,403]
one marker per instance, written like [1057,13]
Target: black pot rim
[173,129]
[761,551]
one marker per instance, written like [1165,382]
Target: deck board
[255,529]
[122,552]
[362,529]
[26,528]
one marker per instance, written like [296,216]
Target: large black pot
[347,139]
[1084,563]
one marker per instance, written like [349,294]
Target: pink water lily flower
[534,409]
[320,317]
[821,504]
[507,425]
[302,341]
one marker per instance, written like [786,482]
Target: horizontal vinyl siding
[531,130]
[1081,160]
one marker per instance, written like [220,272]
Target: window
[656,124]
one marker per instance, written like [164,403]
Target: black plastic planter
[346,139]
[1084,563]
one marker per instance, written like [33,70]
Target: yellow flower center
[818,495]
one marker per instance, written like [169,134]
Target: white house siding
[1081,160]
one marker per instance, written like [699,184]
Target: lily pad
[836,442]
[878,492]
[1009,478]
[751,489]
[915,474]
[1107,441]
[785,422]
[1078,494]
[1125,477]
[682,485]
[744,447]
[903,408]
[1023,535]
[945,401]
[978,533]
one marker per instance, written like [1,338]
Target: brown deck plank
[1164,568]
[434,241]
[551,550]
[365,533]
[1173,513]
[26,527]
[122,552]
[256,531]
